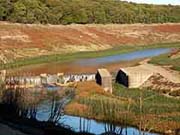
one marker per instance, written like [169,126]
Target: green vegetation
[105,107]
[70,57]
[166,60]
[128,107]
[152,102]
[85,11]
[127,100]
[171,118]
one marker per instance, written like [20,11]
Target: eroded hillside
[25,40]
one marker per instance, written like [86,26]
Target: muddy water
[112,63]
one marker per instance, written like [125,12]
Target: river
[123,57]
[80,124]
[90,65]
[89,125]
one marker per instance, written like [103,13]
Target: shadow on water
[19,109]
[42,113]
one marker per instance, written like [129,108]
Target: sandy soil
[164,80]
[170,75]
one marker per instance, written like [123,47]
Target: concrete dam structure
[133,77]
[104,78]
[46,79]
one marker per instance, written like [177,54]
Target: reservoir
[123,57]
[80,124]
[90,65]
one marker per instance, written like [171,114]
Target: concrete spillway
[133,77]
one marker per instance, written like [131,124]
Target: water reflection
[123,57]
[80,124]
[30,105]
[78,66]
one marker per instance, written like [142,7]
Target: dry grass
[48,39]
[75,108]
[160,113]
[86,89]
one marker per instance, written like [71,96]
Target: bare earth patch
[162,85]
[35,40]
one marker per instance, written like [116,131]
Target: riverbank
[26,126]
[19,111]
[168,60]
[33,40]
[64,58]
[6,130]
[156,113]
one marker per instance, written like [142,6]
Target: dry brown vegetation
[159,113]
[25,40]
[83,90]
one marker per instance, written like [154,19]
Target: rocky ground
[162,85]
[164,80]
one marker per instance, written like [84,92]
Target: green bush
[85,11]
[153,102]
[166,60]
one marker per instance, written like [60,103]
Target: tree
[85,11]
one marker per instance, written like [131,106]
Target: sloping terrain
[175,54]
[173,76]
[162,85]
[25,40]
[164,80]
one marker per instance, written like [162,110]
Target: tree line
[86,12]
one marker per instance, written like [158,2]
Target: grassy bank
[80,55]
[155,112]
[153,103]
[166,60]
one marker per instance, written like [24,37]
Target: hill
[86,12]
[29,40]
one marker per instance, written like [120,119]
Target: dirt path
[171,75]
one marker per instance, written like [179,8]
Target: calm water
[123,57]
[92,126]
[82,124]
[89,64]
